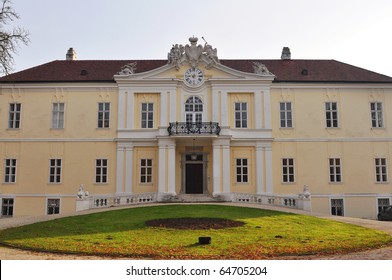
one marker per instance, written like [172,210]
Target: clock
[193,77]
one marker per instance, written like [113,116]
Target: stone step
[194,198]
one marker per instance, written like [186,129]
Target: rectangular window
[382,204]
[58,115]
[288,170]
[286,119]
[103,115]
[10,171]
[14,115]
[147,115]
[53,206]
[7,207]
[331,114]
[101,171]
[55,171]
[337,208]
[242,171]
[381,170]
[241,114]
[146,171]
[335,170]
[377,115]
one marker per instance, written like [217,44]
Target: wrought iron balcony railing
[185,128]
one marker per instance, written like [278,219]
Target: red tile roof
[284,70]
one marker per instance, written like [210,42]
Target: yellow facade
[233,131]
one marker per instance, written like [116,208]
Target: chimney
[286,54]
[71,55]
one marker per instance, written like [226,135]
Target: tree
[10,40]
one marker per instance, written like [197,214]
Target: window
[335,170]
[381,170]
[55,171]
[58,115]
[53,206]
[103,115]
[382,204]
[10,171]
[145,171]
[337,208]
[242,172]
[7,208]
[286,119]
[241,114]
[377,115]
[288,170]
[14,115]
[101,171]
[194,110]
[147,115]
[331,114]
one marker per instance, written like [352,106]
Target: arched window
[194,110]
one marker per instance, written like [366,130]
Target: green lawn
[123,233]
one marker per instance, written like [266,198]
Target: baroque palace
[307,134]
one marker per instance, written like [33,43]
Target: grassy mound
[265,234]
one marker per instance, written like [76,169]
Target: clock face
[193,77]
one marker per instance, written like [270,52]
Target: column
[120,170]
[267,108]
[258,109]
[171,172]
[216,168]
[121,117]
[226,174]
[129,169]
[162,168]
[268,170]
[224,111]
[163,122]
[260,169]
[130,109]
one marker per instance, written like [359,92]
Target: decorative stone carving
[82,194]
[305,193]
[260,69]
[193,54]
[128,69]
[175,55]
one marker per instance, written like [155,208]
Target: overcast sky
[357,32]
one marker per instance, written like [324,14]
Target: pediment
[181,58]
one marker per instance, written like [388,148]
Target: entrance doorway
[194,174]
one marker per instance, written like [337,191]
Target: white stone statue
[260,69]
[128,69]
[82,194]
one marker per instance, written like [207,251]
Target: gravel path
[375,254]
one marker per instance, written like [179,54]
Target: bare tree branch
[10,40]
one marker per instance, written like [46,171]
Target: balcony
[187,128]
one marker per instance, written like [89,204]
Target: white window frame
[382,206]
[14,116]
[10,169]
[55,170]
[55,204]
[5,203]
[242,170]
[194,108]
[381,170]
[147,115]
[334,207]
[103,118]
[146,170]
[288,170]
[331,115]
[335,170]
[286,114]
[241,115]
[58,115]
[101,171]
[377,117]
